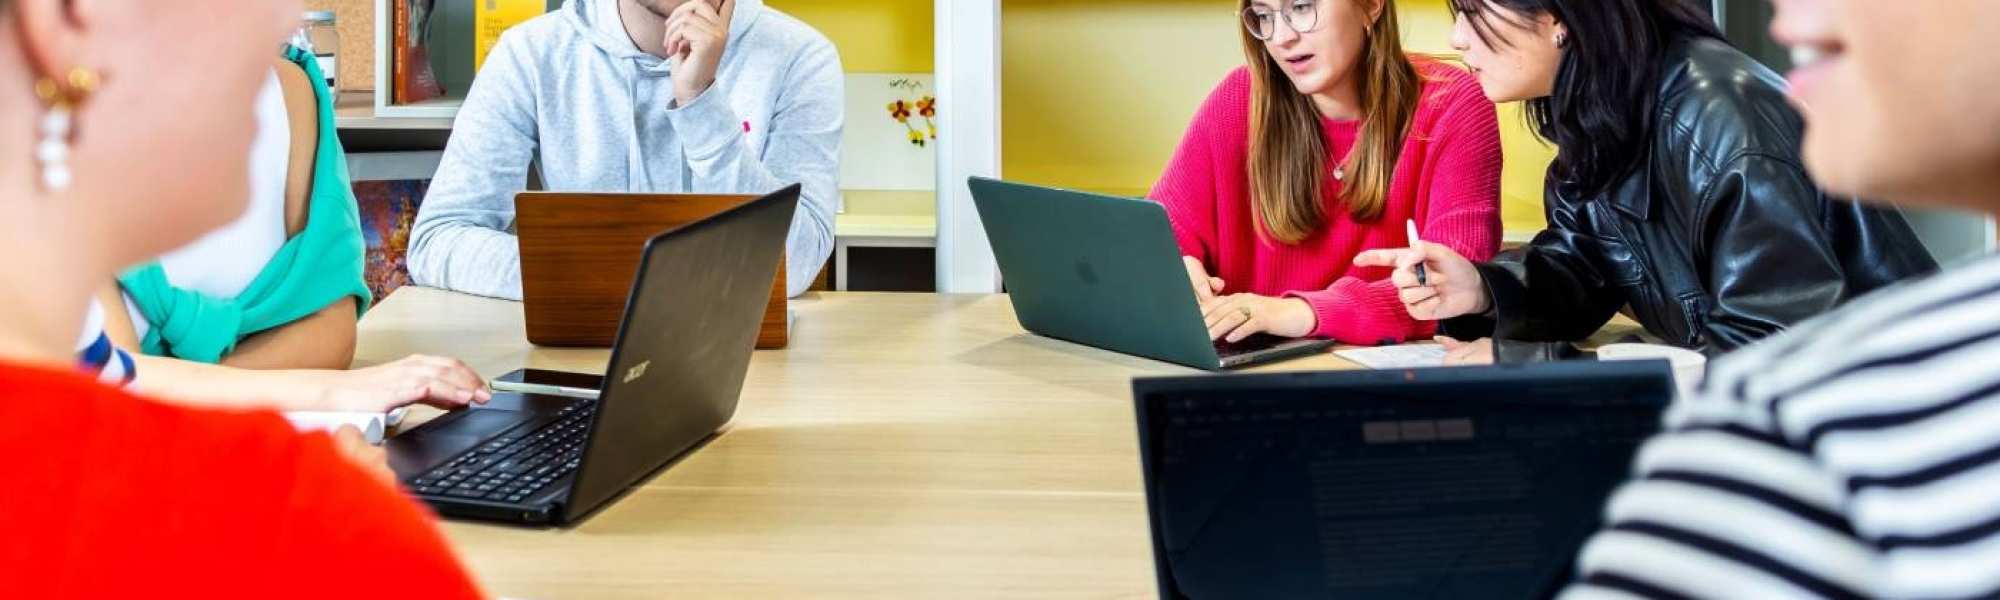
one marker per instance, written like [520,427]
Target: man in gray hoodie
[654,96]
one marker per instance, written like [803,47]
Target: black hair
[1600,116]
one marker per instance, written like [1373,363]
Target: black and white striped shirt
[1857,455]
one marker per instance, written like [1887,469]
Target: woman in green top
[263,311]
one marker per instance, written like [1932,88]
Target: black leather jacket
[1719,240]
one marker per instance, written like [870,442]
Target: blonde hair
[1288,153]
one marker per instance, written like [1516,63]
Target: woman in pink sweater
[1325,146]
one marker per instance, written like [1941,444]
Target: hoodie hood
[598,21]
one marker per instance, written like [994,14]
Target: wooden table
[905,445]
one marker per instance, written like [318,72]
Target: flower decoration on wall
[925,107]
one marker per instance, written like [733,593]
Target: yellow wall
[874,36]
[1427,28]
[1097,94]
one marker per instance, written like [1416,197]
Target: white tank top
[224,262]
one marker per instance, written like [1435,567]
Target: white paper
[1406,356]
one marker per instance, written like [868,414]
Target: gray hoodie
[571,89]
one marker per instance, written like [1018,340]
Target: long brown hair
[1288,153]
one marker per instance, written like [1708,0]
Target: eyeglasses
[1301,15]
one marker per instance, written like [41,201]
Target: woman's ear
[1375,8]
[51,34]
[1557,32]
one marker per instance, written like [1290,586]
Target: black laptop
[677,367]
[1433,483]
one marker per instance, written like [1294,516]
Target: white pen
[1411,228]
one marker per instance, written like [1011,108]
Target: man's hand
[697,34]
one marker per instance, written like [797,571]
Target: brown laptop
[579,251]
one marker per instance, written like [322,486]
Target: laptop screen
[1447,483]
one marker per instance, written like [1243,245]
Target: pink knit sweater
[1447,179]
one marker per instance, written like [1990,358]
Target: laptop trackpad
[433,443]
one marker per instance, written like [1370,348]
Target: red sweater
[1447,179]
[113,496]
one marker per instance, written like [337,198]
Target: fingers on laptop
[441,382]
[1232,318]
[461,378]
[1205,287]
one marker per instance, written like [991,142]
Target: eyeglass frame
[1285,15]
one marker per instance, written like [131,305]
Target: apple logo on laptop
[1086,273]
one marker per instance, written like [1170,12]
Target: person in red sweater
[1326,145]
[111,152]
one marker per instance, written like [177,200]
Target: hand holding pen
[1416,243]
[1433,281]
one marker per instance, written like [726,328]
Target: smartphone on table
[551,383]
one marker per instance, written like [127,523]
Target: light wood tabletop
[905,445]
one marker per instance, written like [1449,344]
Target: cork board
[355,20]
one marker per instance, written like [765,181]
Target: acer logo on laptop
[637,371]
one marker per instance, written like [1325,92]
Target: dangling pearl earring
[58,125]
[1562,39]
[53,151]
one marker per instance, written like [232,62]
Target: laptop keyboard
[1255,343]
[515,466]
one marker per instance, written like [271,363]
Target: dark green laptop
[1105,271]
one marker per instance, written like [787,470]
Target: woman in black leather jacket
[1677,191]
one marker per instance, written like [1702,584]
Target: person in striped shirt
[1857,455]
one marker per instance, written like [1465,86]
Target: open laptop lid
[684,345]
[577,256]
[1096,270]
[1430,483]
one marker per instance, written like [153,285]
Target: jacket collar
[1634,194]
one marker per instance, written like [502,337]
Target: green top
[312,270]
